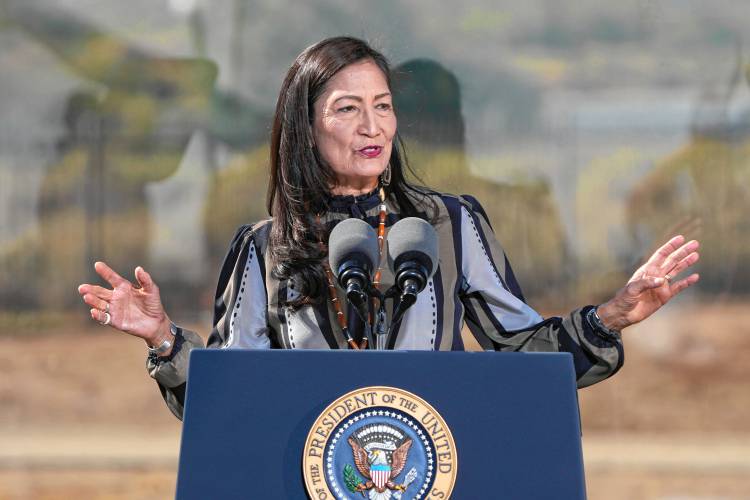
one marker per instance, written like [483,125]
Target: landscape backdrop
[137,133]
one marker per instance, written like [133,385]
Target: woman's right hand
[136,310]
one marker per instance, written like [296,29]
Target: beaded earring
[385,177]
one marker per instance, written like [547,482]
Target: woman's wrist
[595,323]
[610,318]
[163,334]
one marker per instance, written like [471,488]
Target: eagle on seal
[375,467]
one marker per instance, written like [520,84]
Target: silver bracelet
[166,344]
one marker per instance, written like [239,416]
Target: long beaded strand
[381,236]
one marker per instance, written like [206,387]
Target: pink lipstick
[371,151]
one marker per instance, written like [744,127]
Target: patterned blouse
[473,287]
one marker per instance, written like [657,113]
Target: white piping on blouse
[247,327]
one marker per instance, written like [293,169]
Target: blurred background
[137,133]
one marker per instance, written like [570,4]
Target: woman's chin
[361,175]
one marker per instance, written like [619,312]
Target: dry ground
[79,417]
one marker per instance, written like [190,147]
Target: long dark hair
[299,187]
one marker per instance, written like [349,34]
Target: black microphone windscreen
[352,236]
[413,236]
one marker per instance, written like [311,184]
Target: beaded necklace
[375,281]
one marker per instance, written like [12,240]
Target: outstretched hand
[653,284]
[134,309]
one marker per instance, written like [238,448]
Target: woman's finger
[679,286]
[682,265]
[144,279]
[666,250]
[99,291]
[675,258]
[102,317]
[639,286]
[109,274]
[96,302]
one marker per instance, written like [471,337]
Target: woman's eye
[346,109]
[384,106]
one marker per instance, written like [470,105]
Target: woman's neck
[357,189]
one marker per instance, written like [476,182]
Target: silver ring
[107,320]
[668,278]
[106,307]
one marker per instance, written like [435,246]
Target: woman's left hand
[652,286]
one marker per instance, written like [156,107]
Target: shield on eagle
[380,475]
[380,452]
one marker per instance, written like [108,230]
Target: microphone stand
[382,329]
[376,331]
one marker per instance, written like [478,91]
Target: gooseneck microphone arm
[410,281]
[354,277]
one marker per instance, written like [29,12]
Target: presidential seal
[379,443]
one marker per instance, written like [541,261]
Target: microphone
[353,254]
[413,258]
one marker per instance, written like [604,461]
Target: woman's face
[354,126]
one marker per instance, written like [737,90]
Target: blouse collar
[354,205]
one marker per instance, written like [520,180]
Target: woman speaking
[335,155]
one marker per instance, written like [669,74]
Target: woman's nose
[369,124]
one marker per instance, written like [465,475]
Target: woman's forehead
[363,79]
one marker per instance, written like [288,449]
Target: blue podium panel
[513,416]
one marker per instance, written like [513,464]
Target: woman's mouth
[370,151]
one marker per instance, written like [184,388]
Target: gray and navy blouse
[473,287]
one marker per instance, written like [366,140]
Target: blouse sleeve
[498,316]
[239,319]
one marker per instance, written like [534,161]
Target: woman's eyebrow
[354,97]
[359,99]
